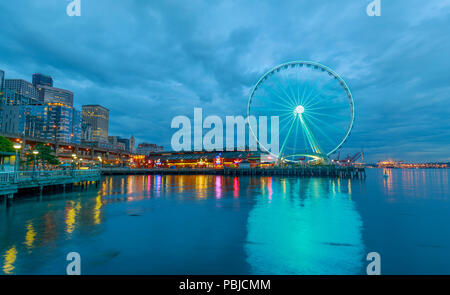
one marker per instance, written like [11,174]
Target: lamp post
[100,160]
[74,158]
[35,153]
[17,146]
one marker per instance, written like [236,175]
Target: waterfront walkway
[321,171]
[12,182]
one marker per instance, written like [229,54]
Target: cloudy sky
[148,61]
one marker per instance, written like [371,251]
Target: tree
[6,145]
[46,155]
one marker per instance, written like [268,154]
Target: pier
[13,182]
[313,171]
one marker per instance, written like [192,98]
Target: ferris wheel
[314,107]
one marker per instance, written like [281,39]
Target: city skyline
[174,61]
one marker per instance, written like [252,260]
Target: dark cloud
[148,61]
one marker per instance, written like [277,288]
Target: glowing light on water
[10,258]
[29,236]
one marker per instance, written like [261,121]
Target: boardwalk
[331,171]
[12,182]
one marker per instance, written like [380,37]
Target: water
[234,225]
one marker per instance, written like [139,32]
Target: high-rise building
[76,127]
[25,120]
[2,80]
[53,95]
[11,97]
[40,79]
[23,88]
[98,118]
[59,123]
[86,132]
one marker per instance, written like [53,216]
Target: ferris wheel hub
[299,110]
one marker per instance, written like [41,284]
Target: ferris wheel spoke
[314,144]
[291,90]
[292,101]
[325,115]
[272,102]
[328,107]
[319,101]
[263,110]
[332,126]
[283,146]
[296,138]
[305,143]
[277,95]
[319,130]
[320,93]
[313,89]
[288,121]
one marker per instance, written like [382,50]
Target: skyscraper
[59,123]
[2,80]
[76,127]
[49,94]
[25,120]
[98,118]
[23,88]
[40,79]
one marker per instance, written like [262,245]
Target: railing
[15,177]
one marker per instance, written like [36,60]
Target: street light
[35,153]
[17,146]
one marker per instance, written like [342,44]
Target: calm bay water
[234,225]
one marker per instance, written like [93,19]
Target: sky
[149,61]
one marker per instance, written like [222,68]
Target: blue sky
[148,61]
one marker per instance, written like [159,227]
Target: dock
[12,182]
[312,171]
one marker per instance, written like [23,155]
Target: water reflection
[10,257]
[304,226]
[29,236]
[231,225]
[416,183]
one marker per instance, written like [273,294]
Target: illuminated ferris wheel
[314,106]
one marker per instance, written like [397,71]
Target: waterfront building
[114,140]
[25,120]
[76,127]
[49,94]
[203,159]
[59,123]
[128,143]
[86,132]
[44,80]
[23,88]
[97,117]
[147,148]
[11,97]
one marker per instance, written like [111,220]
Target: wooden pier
[313,171]
[13,182]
